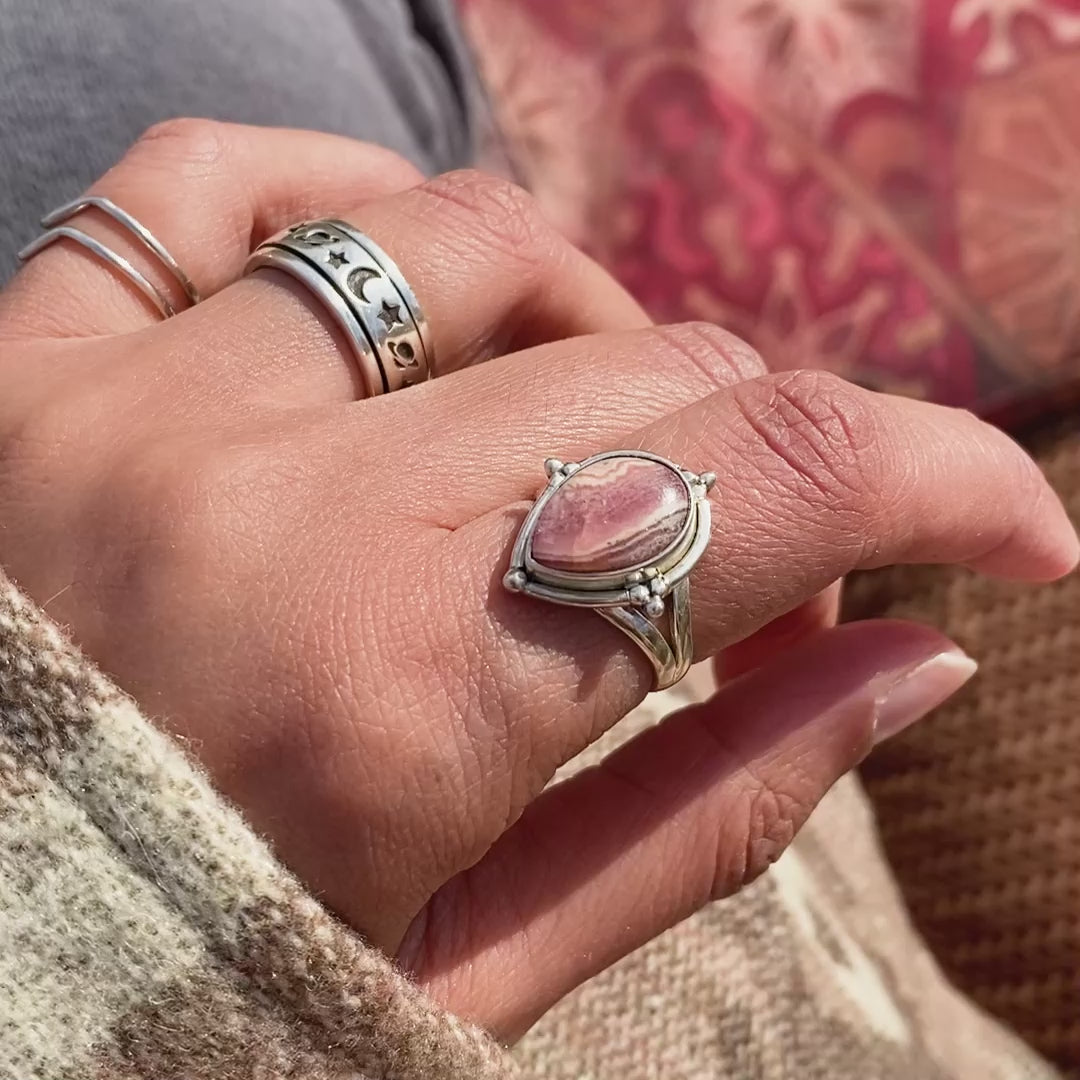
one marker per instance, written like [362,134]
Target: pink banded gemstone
[614,515]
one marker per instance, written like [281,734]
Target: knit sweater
[146,932]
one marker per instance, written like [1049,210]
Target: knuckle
[177,509]
[37,444]
[189,143]
[714,352]
[162,508]
[816,434]
[34,435]
[769,818]
[44,460]
[396,171]
[497,212]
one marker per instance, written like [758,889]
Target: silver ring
[365,293]
[54,223]
[620,533]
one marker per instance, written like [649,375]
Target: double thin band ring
[364,292]
[57,229]
[620,533]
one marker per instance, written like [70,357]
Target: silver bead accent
[516,581]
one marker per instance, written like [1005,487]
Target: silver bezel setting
[644,587]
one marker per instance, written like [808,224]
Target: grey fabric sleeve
[79,81]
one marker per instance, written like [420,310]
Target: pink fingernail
[919,690]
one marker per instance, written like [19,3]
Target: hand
[307,588]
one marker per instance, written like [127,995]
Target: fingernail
[920,690]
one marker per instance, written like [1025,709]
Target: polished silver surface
[670,659]
[302,271]
[364,291]
[56,229]
[397,279]
[639,599]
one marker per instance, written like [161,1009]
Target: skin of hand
[306,588]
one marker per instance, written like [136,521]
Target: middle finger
[491,275]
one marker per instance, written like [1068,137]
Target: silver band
[365,293]
[54,223]
[670,659]
[636,598]
[408,298]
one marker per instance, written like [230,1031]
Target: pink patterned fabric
[889,189]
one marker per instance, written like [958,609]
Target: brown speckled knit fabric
[147,934]
[980,806]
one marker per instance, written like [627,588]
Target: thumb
[688,812]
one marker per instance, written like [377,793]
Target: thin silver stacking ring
[365,293]
[54,223]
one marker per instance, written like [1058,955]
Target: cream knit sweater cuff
[145,931]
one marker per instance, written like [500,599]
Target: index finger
[837,478]
[818,478]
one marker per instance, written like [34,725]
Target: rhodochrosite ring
[620,533]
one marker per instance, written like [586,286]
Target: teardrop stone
[613,515]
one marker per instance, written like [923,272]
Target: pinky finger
[687,813]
